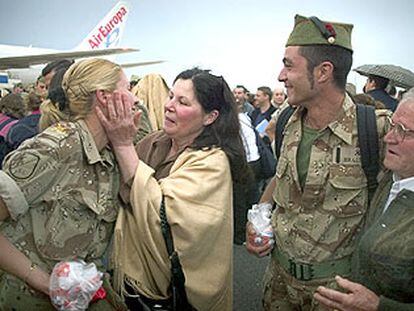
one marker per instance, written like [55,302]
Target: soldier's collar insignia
[59,127]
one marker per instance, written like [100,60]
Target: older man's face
[278,96]
[399,156]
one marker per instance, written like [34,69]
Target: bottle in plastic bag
[260,217]
[73,284]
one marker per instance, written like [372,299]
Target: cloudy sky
[243,40]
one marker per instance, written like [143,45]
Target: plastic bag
[73,285]
[260,217]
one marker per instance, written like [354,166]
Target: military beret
[313,31]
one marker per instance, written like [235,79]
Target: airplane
[26,63]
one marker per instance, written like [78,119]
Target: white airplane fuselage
[25,75]
[25,63]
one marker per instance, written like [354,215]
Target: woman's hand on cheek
[119,121]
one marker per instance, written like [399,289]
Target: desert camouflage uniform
[321,222]
[71,193]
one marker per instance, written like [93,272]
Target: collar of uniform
[342,126]
[89,146]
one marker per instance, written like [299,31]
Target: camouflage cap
[313,31]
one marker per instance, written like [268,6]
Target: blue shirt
[25,128]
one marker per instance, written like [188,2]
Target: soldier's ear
[324,72]
[102,96]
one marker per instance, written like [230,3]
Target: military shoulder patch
[23,164]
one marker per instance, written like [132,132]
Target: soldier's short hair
[339,57]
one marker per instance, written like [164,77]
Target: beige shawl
[152,90]
[198,199]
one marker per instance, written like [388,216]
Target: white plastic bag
[260,217]
[73,285]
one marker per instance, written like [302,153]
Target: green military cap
[134,78]
[313,31]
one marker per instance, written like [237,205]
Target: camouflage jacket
[70,190]
[321,221]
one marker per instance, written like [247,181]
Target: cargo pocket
[69,230]
[346,193]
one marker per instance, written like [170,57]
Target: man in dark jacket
[375,87]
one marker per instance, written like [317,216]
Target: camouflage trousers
[283,292]
[16,296]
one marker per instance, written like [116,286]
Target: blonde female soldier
[58,190]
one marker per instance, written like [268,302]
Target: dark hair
[213,93]
[380,82]
[267,91]
[392,91]
[56,93]
[339,57]
[56,65]
[242,87]
[250,98]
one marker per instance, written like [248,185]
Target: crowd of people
[152,184]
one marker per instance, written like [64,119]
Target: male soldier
[41,88]
[319,188]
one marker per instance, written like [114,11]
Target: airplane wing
[128,65]
[28,60]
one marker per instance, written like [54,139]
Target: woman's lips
[169,120]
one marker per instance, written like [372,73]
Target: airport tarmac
[247,277]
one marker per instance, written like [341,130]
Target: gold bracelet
[33,267]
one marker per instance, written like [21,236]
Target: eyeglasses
[400,131]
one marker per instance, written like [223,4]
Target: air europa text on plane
[103,32]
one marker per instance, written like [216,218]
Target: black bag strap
[179,295]
[368,145]
[280,127]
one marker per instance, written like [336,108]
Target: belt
[310,271]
